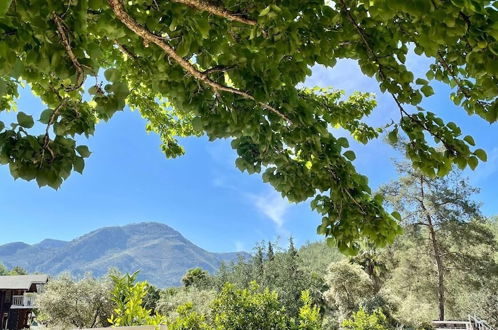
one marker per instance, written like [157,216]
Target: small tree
[196,277]
[349,287]
[67,303]
[128,297]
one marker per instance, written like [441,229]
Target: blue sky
[127,179]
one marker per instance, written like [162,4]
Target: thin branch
[123,49]
[219,68]
[464,90]
[332,173]
[420,224]
[46,139]
[80,76]
[203,6]
[149,37]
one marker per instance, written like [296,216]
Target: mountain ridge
[161,253]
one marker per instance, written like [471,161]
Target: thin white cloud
[273,206]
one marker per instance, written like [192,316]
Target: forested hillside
[444,263]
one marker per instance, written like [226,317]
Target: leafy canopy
[233,69]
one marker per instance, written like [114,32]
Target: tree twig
[149,37]
[80,76]
[123,49]
[51,121]
[203,6]
[464,90]
[219,68]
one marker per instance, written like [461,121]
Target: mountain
[161,254]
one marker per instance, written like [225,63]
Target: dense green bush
[361,320]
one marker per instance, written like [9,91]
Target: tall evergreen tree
[441,215]
[270,255]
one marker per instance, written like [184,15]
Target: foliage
[278,270]
[188,319]
[317,256]
[361,320]
[196,277]
[68,303]
[151,299]
[17,270]
[128,297]
[199,299]
[309,315]
[349,288]
[3,270]
[249,309]
[202,69]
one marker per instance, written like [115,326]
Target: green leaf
[396,215]
[111,74]
[427,90]
[350,155]
[265,11]
[343,142]
[79,164]
[83,151]
[2,125]
[470,140]
[45,116]
[393,136]
[25,120]
[197,124]
[204,28]
[481,154]
[473,162]
[4,7]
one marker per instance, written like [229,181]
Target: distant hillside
[161,253]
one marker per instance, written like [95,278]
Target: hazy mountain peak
[161,253]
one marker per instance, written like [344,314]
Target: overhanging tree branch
[382,75]
[464,90]
[203,6]
[149,37]
[80,76]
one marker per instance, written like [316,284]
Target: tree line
[443,266]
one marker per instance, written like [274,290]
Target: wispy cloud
[272,205]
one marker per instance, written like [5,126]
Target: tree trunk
[437,255]
[440,270]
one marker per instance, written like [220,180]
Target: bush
[361,320]
[67,303]
[128,297]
